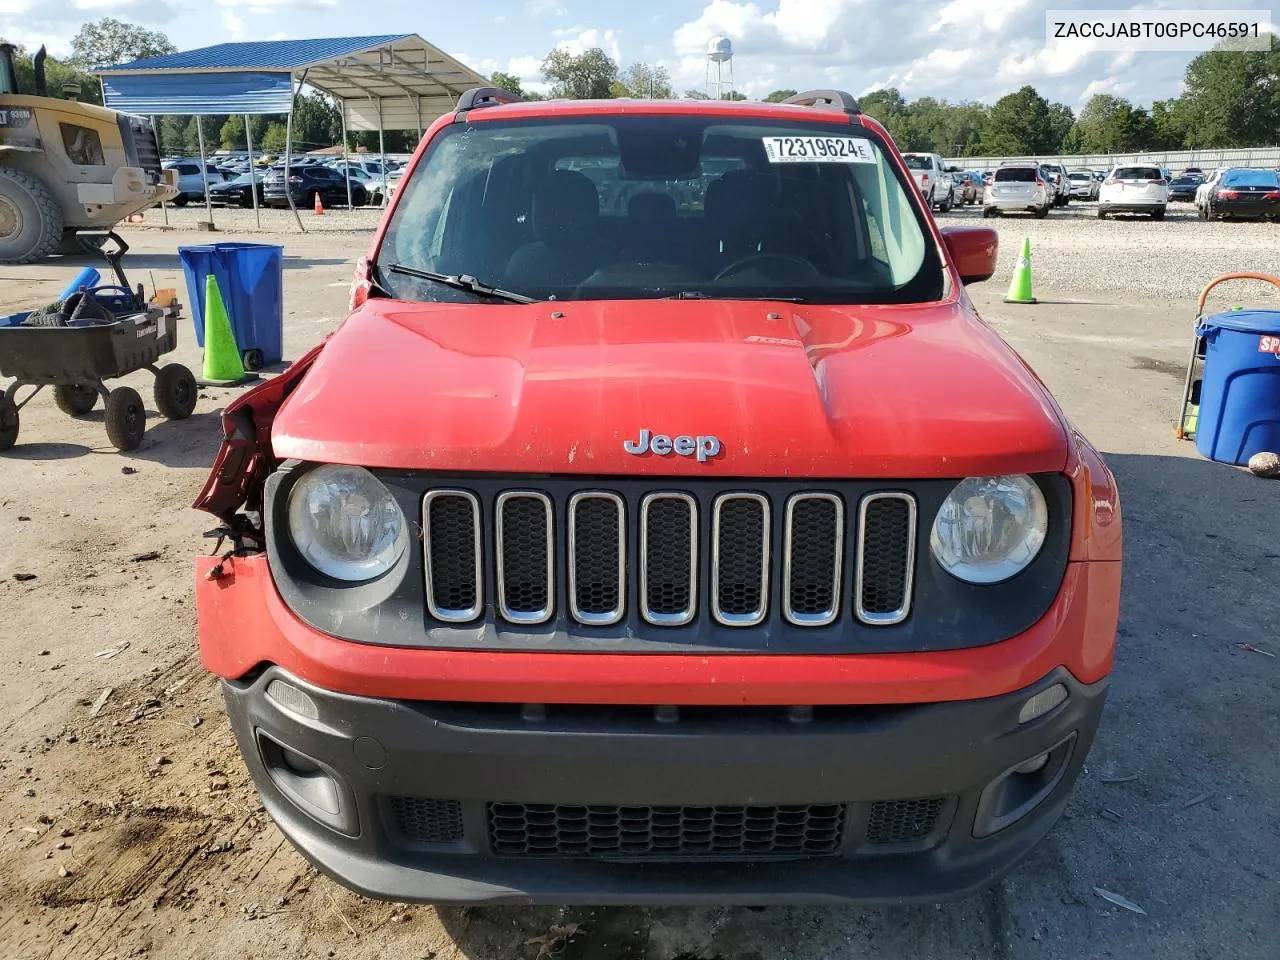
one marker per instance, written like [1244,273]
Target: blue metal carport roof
[390,81]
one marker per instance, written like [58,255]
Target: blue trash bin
[251,280]
[1240,390]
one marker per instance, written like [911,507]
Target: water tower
[719,57]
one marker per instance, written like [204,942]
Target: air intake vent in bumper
[664,833]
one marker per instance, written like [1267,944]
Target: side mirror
[973,250]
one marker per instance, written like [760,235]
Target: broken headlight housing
[346,524]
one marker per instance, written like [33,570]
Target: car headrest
[564,202]
[652,208]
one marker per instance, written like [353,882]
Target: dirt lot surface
[128,826]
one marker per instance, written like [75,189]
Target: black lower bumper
[493,803]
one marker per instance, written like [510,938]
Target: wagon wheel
[125,417]
[175,392]
[75,399]
[8,423]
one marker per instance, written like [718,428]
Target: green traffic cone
[222,364]
[1020,285]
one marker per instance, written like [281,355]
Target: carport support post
[382,149]
[164,204]
[204,169]
[288,150]
[253,174]
[346,164]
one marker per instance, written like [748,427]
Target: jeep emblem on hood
[704,448]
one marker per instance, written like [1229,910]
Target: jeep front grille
[886,557]
[451,532]
[665,558]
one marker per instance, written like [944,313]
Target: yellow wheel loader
[67,166]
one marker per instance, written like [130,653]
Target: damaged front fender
[246,459]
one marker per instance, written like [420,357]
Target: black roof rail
[826,98]
[478,97]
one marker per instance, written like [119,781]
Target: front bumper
[393,797]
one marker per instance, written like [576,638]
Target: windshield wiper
[461,282]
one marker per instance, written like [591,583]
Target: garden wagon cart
[77,360]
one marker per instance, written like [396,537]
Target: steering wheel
[790,258]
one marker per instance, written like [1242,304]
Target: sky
[949,49]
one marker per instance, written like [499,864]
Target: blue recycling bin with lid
[1240,389]
[251,280]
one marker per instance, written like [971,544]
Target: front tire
[75,399]
[125,418]
[1157,214]
[30,218]
[1041,212]
[175,392]
[1102,214]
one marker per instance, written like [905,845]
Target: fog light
[1042,703]
[1032,765]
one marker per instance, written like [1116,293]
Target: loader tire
[30,219]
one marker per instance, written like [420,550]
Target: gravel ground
[1072,251]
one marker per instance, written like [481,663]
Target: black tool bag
[80,309]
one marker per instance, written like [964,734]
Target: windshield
[1016,175]
[1249,178]
[647,207]
[917,162]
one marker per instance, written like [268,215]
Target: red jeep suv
[663,525]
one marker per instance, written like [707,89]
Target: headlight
[345,523]
[990,528]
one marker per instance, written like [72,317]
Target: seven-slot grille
[596,542]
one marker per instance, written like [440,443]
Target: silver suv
[931,178]
[1018,187]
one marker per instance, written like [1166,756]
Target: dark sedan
[1184,187]
[1244,193]
[237,192]
[308,182]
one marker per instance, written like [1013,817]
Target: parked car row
[231,181]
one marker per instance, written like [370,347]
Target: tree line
[1229,99]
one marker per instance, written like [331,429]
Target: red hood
[916,391]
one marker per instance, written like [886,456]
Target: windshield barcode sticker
[818,150]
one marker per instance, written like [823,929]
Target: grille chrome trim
[525,617]
[582,616]
[686,615]
[829,616]
[758,615]
[900,614]
[443,613]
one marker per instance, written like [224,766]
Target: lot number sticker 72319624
[818,150]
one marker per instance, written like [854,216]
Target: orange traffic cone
[319,205]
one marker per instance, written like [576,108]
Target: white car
[1018,187]
[1061,183]
[190,182]
[1084,185]
[932,179]
[1205,189]
[1134,188]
